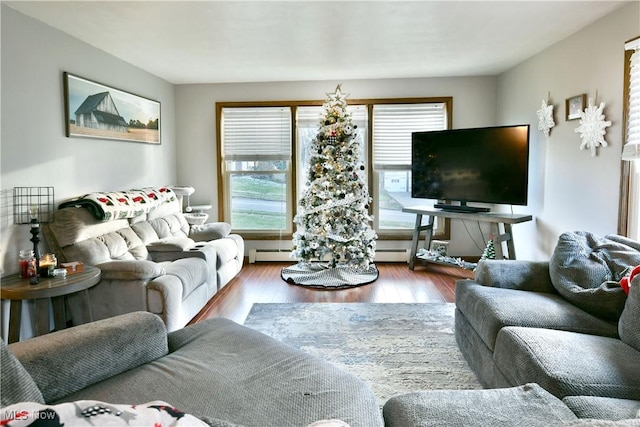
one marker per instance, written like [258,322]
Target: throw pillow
[629,324]
[586,270]
[16,385]
[91,413]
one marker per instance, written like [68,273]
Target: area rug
[395,348]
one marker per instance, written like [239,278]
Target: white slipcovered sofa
[151,259]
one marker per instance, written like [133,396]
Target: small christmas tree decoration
[489,251]
[333,222]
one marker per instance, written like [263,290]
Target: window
[392,128]
[629,222]
[263,154]
[256,168]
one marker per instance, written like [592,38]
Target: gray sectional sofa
[554,323]
[555,343]
[151,258]
[564,324]
[216,370]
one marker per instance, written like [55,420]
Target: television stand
[503,220]
[460,208]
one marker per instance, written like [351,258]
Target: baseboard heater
[280,255]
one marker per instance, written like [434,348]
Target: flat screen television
[484,165]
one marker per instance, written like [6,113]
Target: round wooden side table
[56,289]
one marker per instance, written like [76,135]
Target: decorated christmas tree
[333,222]
[489,251]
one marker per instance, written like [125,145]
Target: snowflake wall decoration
[592,127]
[545,117]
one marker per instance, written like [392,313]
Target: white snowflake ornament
[545,117]
[592,127]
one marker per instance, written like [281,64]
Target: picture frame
[439,248]
[574,106]
[95,110]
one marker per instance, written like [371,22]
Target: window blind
[392,128]
[631,150]
[256,133]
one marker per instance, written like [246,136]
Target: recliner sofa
[151,258]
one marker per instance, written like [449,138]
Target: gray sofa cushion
[223,370]
[605,408]
[210,231]
[586,269]
[16,385]
[515,274]
[490,309]
[528,405]
[75,369]
[629,324]
[567,363]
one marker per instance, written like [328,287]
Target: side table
[17,289]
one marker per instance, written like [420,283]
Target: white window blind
[256,133]
[392,128]
[631,150]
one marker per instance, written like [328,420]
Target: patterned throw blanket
[114,205]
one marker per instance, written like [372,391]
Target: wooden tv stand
[503,220]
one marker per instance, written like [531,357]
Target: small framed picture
[439,247]
[574,106]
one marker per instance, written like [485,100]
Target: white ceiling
[258,41]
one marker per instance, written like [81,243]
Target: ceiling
[258,41]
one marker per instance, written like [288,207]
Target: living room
[569,189]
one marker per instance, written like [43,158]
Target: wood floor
[261,283]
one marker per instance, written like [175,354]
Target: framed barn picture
[93,110]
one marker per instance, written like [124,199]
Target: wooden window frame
[369,103]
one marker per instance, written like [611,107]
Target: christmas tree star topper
[337,95]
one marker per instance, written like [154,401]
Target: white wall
[474,100]
[569,189]
[35,150]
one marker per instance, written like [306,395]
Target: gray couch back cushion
[17,384]
[629,324]
[97,361]
[75,235]
[585,269]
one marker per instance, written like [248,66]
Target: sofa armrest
[70,360]
[130,270]
[515,274]
[209,231]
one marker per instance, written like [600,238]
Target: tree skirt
[319,275]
